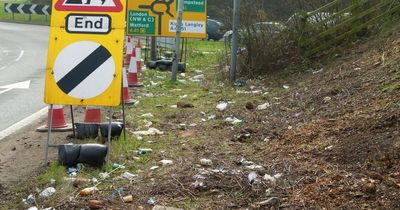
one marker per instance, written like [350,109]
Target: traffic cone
[58,123]
[92,114]
[133,80]
[128,50]
[138,51]
[126,96]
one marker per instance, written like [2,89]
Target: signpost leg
[177,41]
[73,121]
[109,135]
[153,51]
[123,108]
[50,124]
[236,15]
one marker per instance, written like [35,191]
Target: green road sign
[194,5]
[140,22]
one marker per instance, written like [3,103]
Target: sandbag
[93,154]
[116,129]
[68,154]
[86,130]
[90,154]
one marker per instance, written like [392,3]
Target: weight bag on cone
[116,129]
[86,130]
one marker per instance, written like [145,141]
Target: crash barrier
[90,154]
[341,21]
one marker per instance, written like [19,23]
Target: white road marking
[20,56]
[13,128]
[18,85]
[3,67]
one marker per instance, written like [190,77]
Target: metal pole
[153,50]
[48,135]
[109,135]
[73,121]
[236,18]
[123,106]
[177,41]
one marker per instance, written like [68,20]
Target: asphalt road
[23,53]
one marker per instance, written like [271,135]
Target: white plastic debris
[52,182]
[129,176]
[150,132]
[183,97]
[147,115]
[286,87]
[206,162]
[148,123]
[174,106]
[33,208]
[211,117]
[166,162]
[254,167]
[29,200]
[251,177]
[104,175]
[151,201]
[154,167]
[47,192]
[193,125]
[222,106]
[230,119]
[263,106]
[269,178]
[327,99]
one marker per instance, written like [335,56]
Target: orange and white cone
[92,114]
[138,51]
[128,50]
[133,80]
[125,90]
[58,123]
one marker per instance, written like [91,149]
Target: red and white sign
[89,5]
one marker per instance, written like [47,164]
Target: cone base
[136,85]
[129,102]
[45,128]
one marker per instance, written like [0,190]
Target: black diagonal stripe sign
[84,69]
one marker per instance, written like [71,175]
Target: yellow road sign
[158,18]
[84,63]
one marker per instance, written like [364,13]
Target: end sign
[85,53]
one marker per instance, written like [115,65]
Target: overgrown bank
[323,138]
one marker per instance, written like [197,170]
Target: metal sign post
[236,17]
[109,135]
[177,42]
[48,135]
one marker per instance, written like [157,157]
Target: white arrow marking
[8,8]
[32,9]
[20,56]
[19,8]
[18,85]
[44,10]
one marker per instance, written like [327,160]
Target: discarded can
[117,166]
[88,191]
[95,204]
[128,199]
[144,151]
[80,181]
